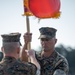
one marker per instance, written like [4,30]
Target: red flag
[45,8]
[26,8]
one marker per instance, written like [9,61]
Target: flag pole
[28,30]
[25,58]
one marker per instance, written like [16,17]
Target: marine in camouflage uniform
[51,62]
[10,65]
[54,64]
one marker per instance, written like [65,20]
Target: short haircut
[10,47]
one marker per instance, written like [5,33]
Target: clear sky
[11,20]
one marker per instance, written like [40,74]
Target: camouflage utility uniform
[11,66]
[54,63]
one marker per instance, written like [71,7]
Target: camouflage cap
[47,32]
[11,37]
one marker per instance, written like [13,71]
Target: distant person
[10,65]
[52,63]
